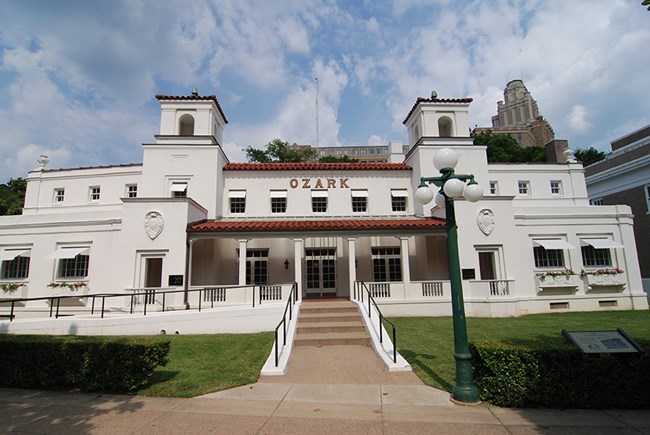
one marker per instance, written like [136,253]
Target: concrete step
[325,327]
[332,339]
[328,317]
[306,308]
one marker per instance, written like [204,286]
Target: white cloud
[376,140]
[578,118]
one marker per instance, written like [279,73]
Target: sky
[78,78]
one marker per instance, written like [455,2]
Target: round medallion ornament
[485,221]
[153,224]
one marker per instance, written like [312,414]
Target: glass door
[321,270]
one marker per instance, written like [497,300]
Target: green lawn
[427,343]
[201,364]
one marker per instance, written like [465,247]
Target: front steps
[330,323]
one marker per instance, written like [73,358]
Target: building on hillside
[188,218]
[623,177]
[361,153]
[519,118]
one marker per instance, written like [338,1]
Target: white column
[404,251]
[242,261]
[352,263]
[297,265]
[189,265]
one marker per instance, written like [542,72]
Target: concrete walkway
[264,408]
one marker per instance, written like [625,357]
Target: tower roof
[161,97]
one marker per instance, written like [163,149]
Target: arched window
[445,127]
[186,125]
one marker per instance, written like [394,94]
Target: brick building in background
[624,178]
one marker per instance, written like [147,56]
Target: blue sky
[78,78]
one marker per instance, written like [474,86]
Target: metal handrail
[359,286]
[55,301]
[293,297]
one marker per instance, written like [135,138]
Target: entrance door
[321,270]
[486,265]
[153,272]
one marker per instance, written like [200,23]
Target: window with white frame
[359,200]
[545,258]
[597,201]
[131,190]
[72,262]
[398,199]
[523,187]
[59,194]
[237,199]
[596,252]
[179,189]
[386,264]
[319,201]
[494,188]
[278,201]
[556,187]
[94,193]
[15,264]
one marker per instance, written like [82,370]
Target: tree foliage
[589,156]
[335,159]
[12,196]
[278,151]
[502,148]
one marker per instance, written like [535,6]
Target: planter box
[64,291]
[605,280]
[568,283]
[19,293]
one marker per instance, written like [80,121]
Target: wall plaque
[485,221]
[175,280]
[153,224]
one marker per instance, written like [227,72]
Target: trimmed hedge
[557,375]
[114,364]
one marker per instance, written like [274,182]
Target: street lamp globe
[473,192]
[454,187]
[423,195]
[445,158]
[440,200]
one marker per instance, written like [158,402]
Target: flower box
[605,280]
[10,290]
[552,281]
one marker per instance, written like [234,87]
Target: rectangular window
[75,268]
[646,190]
[597,201]
[278,201]
[386,264]
[179,190]
[494,188]
[548,257]
[15,264]
[131,190]
[319,201]
[593,257]
[556,188]
[398,199]
[59,194]
[94,193]
[257,266]
[523,187]
[359,201]
[237,200]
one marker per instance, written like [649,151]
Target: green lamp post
[452,186]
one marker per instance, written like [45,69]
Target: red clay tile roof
[408,223]
[435,100]
[377,166]
[212,97]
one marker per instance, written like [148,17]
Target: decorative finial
[195,92]
[434,95]
[42,161]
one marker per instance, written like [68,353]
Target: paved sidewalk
[277,408]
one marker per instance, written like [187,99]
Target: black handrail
[55,301]
[293,297]
[359,286]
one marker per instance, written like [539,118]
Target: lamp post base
[464,391]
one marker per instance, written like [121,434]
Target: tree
[12,196]
[502,148]
[589,156]
[278,151]
[335,159]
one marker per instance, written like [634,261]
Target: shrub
[558,375]
[89,363]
